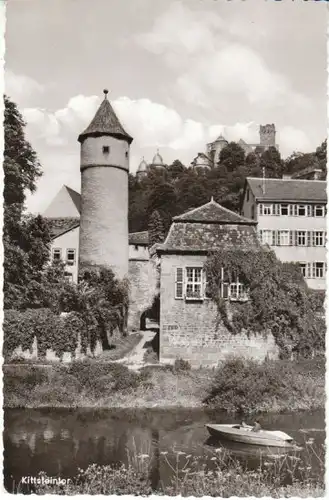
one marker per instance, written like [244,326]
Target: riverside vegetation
[237,385]
[277,476]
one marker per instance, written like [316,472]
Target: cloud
[54,135]
[292,139]
[209,65]
[151,124]
[18,86]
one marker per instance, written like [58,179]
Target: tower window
[126,154]
[106,150]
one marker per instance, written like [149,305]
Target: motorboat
[245,434]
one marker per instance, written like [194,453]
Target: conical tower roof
[105,122]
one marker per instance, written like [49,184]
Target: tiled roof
[105,122]
[211,213]
[140,238]
[288,189]
[202,237]
[62,225]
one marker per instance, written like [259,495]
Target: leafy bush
[60,334]
[245,385]
[181,365]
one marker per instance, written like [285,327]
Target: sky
[179,73]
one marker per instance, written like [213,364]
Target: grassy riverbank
[236,386]
[276,477]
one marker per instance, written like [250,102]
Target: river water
[59,441]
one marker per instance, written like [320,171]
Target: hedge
[52,331]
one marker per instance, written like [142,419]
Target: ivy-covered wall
[191,331]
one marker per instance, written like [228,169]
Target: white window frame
[322,208]
[284,205]
[53,254]
[316,270]
[284,241]
[238,292]
[195,281]
[318,239]
[297,239]
[303,268]
[267,237]
[70,262]
[267,209]
[302,206]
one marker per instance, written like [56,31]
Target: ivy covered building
[188,316]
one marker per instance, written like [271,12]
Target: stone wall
[189,330]
[142,289]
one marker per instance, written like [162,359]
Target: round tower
[157,162]
[142,169]
[104,169]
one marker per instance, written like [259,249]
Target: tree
[163,199]
[176,169]
[26,238]
[321,155]
[156,229]
[232,156]
[272,163]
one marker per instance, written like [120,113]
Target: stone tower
[267,135]
[104,169]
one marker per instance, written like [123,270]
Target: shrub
[242,386]
[181,365]
[50,330]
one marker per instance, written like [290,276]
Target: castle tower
[214,149]
[142,169]
[157,162]
[267,135]
[104,192]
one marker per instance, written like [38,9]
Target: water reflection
[61,441]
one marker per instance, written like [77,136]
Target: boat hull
[247,436]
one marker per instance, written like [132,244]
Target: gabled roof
[61,225]
[288,189]
[208,228]
[213,213]
[65,204]
[139,238]
[105,122]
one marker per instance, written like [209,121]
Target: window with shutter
[309,238]
[291,238]
[260,209]
[309,270]
[179,283]
[225,290]
[313,275]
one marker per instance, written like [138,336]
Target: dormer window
[106,150]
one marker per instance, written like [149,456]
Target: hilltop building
[291,216]
[210,158]
[157,164]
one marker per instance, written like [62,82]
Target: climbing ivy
[279,300]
